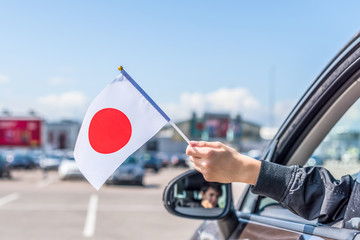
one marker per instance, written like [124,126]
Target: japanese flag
[118,122]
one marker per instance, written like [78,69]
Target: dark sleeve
[310,192]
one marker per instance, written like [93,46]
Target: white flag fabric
[118,122]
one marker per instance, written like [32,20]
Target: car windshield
[131,160]
[147,157]
[53,156]
[20,157]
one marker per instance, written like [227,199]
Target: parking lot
[38,206]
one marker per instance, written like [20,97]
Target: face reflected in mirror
[195,192]
[210,193]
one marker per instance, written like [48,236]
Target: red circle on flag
[109,130]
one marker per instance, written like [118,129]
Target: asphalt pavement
[37,206]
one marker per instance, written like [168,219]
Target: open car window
[339,152]
[333,143]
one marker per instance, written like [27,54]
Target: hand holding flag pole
[118,122]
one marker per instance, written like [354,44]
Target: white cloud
[4,79]
[234,101]
[73,105]
[57,81]
[282,109]
[70,105]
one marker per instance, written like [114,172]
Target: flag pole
[179,131]
[120,68]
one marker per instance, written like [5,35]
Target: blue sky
[219,56]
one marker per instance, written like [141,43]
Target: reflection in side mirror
[190,195]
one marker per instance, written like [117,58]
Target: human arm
[221,163]
[310,192]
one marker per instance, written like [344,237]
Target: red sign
[20,132]
[216,125]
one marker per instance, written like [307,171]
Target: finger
[197,168]
[193,143]
[194,159]
[198,161]
[198,144]
[197,151]
[209,144]
[189,150]
[192,151]
[206,204]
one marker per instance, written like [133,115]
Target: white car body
[69,169]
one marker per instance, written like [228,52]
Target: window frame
[302,131]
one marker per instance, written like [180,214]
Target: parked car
[323,122]
[36,156]
[254,153]
[51,161]
[68,169]
[131,171]
[315,161]
[151,161]
[20,160]
[165,159]
[180,160]
[5,171]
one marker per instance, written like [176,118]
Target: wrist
[249,169]
[254,171]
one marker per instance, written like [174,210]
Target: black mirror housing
[190,195]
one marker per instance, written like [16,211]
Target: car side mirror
[190,195]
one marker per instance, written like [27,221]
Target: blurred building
[61,135]
[33,131]
[237,132]
[21,131]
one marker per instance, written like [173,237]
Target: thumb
[205,144]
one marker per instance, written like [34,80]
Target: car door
[324,130]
